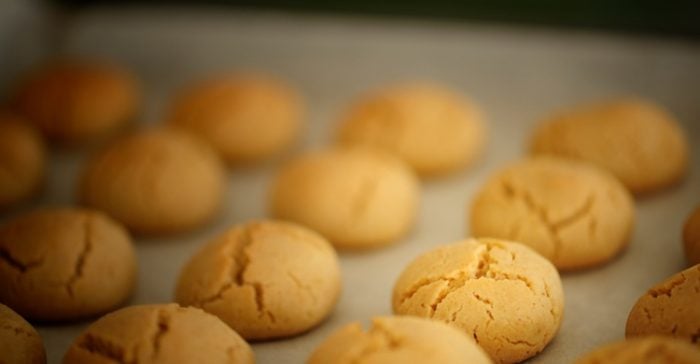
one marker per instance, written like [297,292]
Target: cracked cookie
[244,117]
[672,307]
[399,339]
[265,279]
[503,294]
[636,140]
[433,129]
[158,181]
[64,264]
[358,198]
[571,212]
[22,161]
[151,334]
[19,342]
[645,350]
[691,237]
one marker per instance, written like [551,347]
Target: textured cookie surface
[646,350]
[572,213]
[265,279]
[159,334]
[22,161]
[637,141]
[433,129]
[19,342]
[62,264]
[399,339]
[503,294]
[691,237]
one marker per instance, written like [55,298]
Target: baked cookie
[572,213]
[78,101]
[155,182]
[433,129]
[265,279]
[357,198]
[245,117]
[150,334]
[22,161]
[64,264]
[636,140]
[691,237]
[672,307]
[19,342]
[503,294]
[645,350]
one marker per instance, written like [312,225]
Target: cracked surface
[22,161]
[249,275]
[504,295]
[648,350]
[574,214]
[19,342]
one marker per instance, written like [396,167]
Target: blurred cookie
[645,350]
[691,237]
[19,342]
[22,161]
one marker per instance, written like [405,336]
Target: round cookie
[22,161]
[503,294]
[155,182]
[265,279]
[78,101]
[399,339]
[572,213]
[691,237]
[645,350]
[245,117]
[637,141]
[669,308]
[358,198]
[151,334]
[433,129]
[19,342]
[63,264]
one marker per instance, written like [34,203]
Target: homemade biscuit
[645,350]
[63,264]
[433,129]
[399,339]
[691,237]
[19,342]
[503,294]
[22,161]
[150,334]
[357,198]
[637,141]
[265,279]
[572,213]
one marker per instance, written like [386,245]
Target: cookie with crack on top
[19,342]
[399,339]
[645,350]
[691,237]
[573,213]
[63,264]
[503,294]
[154,334]
[671,307]
[266,279]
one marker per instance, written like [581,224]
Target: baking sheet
[517,75]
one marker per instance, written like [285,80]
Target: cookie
[22,161]
[245,117]
[669,308]
[503,294]
[265,279]
[691,237]
[636,140]
[399,339]
[151,334]
[646,350]
[65,263]
[574,214]
[78,101]
[19,342]
[158,181]
[357,198]
[433,129]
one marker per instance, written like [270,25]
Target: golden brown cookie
[265,279]
[19,342]
[645,350]
[155,182]
[63,264]
[245,117]
[636,140]
[151,334]
[574,214]
[433,129]
[503,294]
[672,307]
[691,237]
[22,161]
[399,339]
[357,198]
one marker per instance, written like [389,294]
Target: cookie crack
[486,302]
[17,264]
[667,288]
[519,342]
[385,340]
[82,256]
[102,347]
[17,330]
[304,287]
[162,327]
